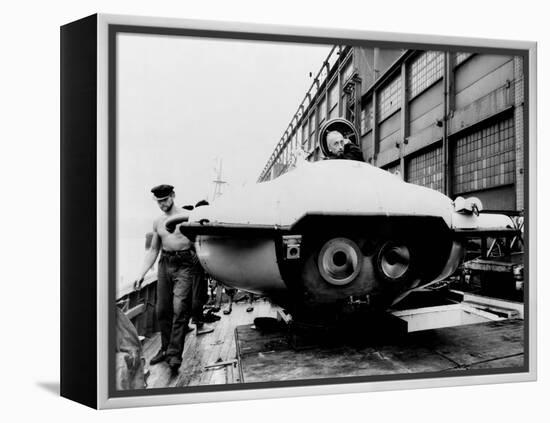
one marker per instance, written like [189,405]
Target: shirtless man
[178,271]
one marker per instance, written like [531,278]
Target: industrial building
[450,121]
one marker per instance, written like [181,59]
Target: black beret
[162,191]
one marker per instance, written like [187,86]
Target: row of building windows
[427,169]
[485,158]
[424,71]
[481,160]
[389,99]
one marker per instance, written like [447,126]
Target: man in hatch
[178,271]
[342,148]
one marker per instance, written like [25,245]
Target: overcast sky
[185,103]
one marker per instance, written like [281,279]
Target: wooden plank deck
[269,357]
[205,350]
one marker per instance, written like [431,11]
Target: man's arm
[352,151]
[171,222]
[150,257]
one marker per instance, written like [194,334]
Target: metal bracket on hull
[292,246]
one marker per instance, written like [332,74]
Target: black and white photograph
[292,211]
[275,211]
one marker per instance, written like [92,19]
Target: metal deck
[248,354]
[496,344]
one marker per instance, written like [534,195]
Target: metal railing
[320,82]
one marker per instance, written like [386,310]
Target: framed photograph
[253,211]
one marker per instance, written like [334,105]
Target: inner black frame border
[115,29]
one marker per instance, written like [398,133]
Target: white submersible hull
[331,230]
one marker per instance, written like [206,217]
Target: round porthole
[339,261]
[393,261]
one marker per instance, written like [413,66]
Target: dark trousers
[177,275]
[200,296]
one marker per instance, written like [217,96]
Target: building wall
[449,121]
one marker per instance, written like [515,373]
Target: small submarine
[331,230]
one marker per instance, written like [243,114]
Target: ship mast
[218,182]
